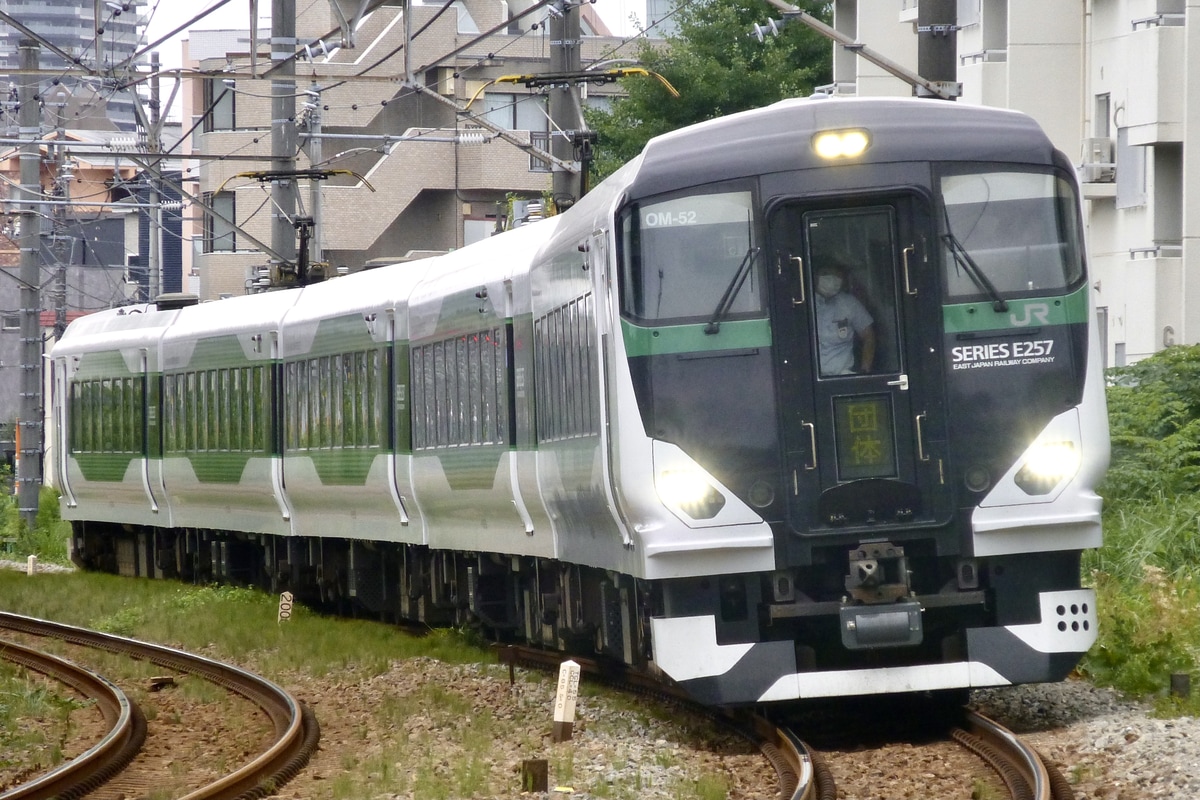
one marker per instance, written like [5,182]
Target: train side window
[563,363]
[458,391]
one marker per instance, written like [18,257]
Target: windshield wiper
[731,291]
[976,273]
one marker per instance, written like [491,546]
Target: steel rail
[1018,765]
[296,727]
[94,766]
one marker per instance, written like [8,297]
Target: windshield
[690,256]
[1009,234]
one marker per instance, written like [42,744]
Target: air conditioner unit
[442,80]
[1098,165]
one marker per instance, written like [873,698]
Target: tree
[719,67]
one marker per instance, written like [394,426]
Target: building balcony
[1154,110]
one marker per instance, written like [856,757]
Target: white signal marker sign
[564,701]
[285,606]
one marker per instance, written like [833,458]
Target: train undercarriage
[511,598]
[727,639]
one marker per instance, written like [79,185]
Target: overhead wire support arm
[545,79]
[265,176]
[791,13]
[500,132]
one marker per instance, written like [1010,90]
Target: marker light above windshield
[840,144]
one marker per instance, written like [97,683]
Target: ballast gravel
[1107,747]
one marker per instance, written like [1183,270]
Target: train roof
[778,138]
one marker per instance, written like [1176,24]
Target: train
[801,402]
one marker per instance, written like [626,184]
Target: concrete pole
[154,257]
[564,100]
[283,140]
[937,45]
[29,426]
[315,156]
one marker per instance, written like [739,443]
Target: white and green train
[802,402]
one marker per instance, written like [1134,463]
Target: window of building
[516,112]
[219,231]
[219,97]
[540,140]
[476,230]
[12,322]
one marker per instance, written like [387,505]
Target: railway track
[124,720]
[802,771]
[295,729]
[1025,773]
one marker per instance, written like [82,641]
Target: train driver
[841,321]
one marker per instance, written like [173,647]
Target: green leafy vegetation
[48,538]
[1147,574]
[33,721]
[718,67]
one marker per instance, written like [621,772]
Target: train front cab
[921,542]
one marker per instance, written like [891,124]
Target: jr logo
[1033,311]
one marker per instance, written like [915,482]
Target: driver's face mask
[829,284]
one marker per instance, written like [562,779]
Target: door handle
[812,438]
[921,454]
[905,253]
[902,382]
[800,275]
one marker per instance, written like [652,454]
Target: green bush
[1147,574]
[49,536]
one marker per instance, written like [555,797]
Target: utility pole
[63,170]
[29,426]
[565,119]
[937,46]
[283,140]
[315,156]
[154,145]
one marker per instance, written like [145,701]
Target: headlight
[841,144]
[1047,465]
[689,492]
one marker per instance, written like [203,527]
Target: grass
[1147,581]
[33,747]
[240,625]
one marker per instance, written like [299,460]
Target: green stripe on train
[1034,312]
[342,466]
[691,338]
[103,467]
[218,467]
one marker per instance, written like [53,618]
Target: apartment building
[1116,84]
[102,37]
[413,174]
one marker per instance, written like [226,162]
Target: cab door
[859,368]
